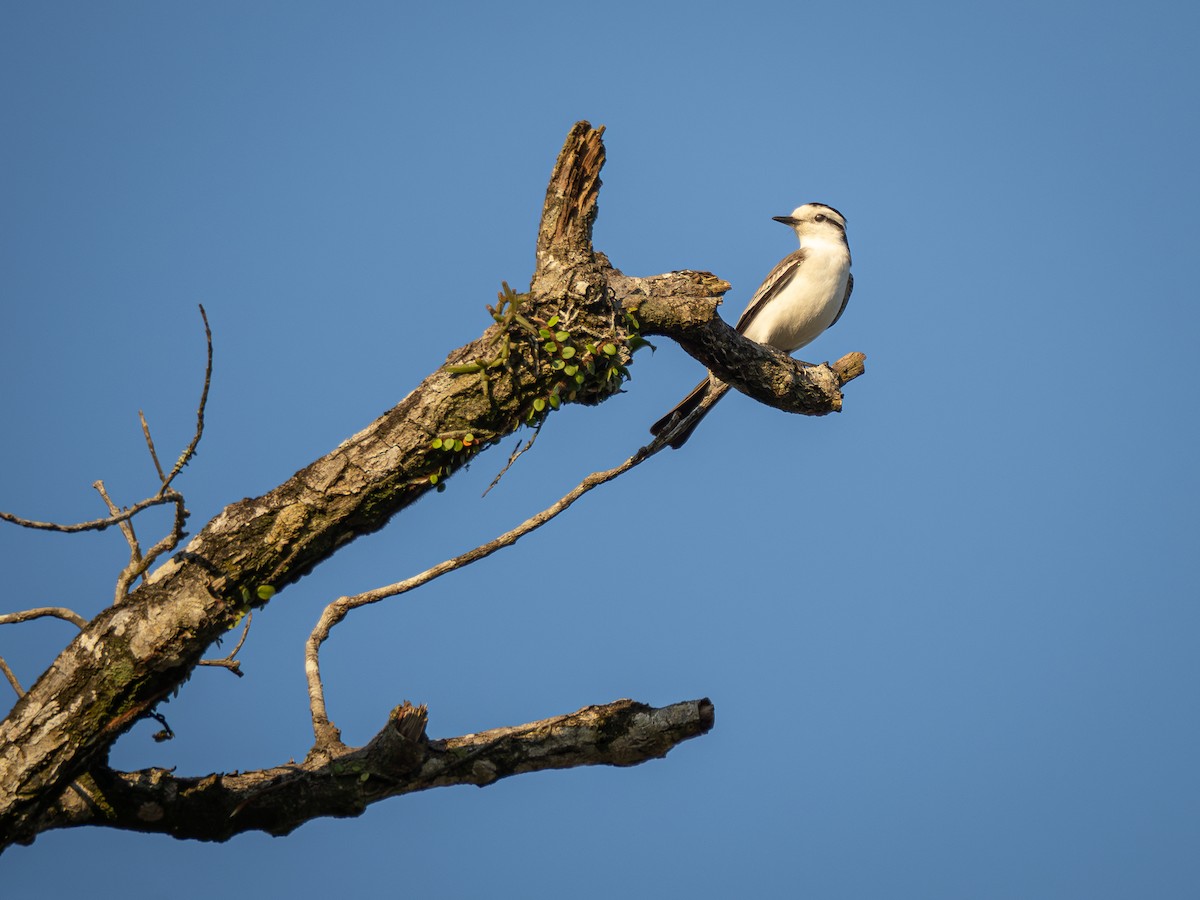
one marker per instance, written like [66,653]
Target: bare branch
[12,679]
[518,451]
[683,307]
[126,526]
[164,545]
[124,579]
[399,760]
[190,450]
[230,662]
[95,524]
[150,446]
[139,564]
[58,612]
[326,734]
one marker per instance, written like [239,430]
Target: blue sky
[950,634]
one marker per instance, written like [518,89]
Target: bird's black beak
[786,220]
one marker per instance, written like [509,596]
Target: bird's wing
[845,300]
[776,281]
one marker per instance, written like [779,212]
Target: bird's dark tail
[702,395]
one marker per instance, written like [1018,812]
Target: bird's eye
[820,217]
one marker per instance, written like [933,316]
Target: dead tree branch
[189,451]
[58,612]
[94,524]
[400,759]
[683,307]
[567,340]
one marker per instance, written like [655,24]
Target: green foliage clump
[456,451]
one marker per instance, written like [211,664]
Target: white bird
[805,293]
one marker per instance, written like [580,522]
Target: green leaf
[610,349]
[265,592]
[561,336]
[558,364]
[553,321]
[436,443]
[554,401]
[539,404]
[550,346]
[569,370]
[568,352]
[636,343]
[457,445]
[433,479]
[544,334]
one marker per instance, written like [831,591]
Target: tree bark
[399,760]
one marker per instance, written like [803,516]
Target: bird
[804,294]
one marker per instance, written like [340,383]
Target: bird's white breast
[808,304]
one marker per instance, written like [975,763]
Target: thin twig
[95,524]
[12,679]
[150,445]
[58,612]
[324,731]
[165,545]
[135,551]
[190,450]
[228,662]
[516,454]
[139,564]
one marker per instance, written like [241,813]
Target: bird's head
[814,222]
